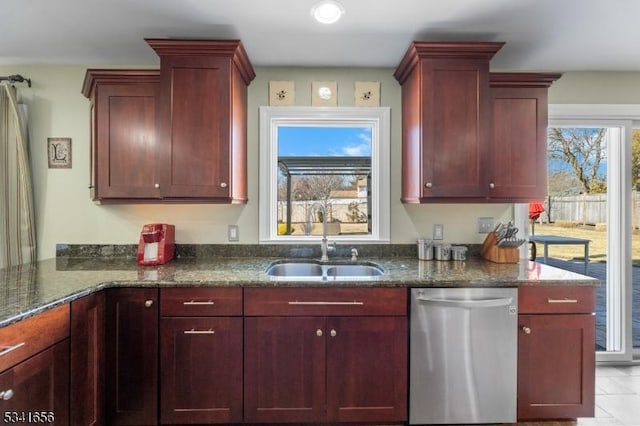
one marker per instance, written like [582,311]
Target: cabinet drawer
[325,301]
[200,302]
[556,300]
[23,339]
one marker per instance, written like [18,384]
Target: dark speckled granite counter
[30,289]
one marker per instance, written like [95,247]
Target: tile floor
[617,396]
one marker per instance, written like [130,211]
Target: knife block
[490,251]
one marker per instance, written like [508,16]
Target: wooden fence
[585,209]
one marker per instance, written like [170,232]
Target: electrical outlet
[233,233]
[485,225]
[438,232]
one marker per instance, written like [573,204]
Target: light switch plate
[485,225]
[233,233]
[438,232]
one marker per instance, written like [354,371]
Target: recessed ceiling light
[327,11]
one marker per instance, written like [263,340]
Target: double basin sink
[316,270]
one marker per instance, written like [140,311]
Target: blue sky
[321,141]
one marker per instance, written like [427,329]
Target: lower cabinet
[348,365]
[37,389]
[201,356]
[556,353]
[87,360]
[132,356]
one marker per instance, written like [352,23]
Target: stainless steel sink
[323,271]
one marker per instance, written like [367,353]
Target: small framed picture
[324,93]
[282,93]
[59,153]
[367,93]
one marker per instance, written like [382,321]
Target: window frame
[377,118]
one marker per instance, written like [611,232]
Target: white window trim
[621,117]
[378,118]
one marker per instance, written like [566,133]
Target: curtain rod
[16,78]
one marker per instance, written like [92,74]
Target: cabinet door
[195,124]
[87,360]
[201,370]
[39,385]
[125,143]
[367,369]
[132,356]
[518,168]
[284,369]
[455,117]
[556,366]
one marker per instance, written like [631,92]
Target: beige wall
[65,214]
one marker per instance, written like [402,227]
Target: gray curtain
[17,227]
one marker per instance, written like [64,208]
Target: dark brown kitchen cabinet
[446,119]
[202,119]
[132,356]
[87,360]
[325,355]
[201,356]
[518,160]
[556,353]
[123,134]
[37,389]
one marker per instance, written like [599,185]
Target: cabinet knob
[6,395]
[319,333]
[492,185]
[148,303]
[333,333]
[223,184]
[157,185]
[526,330]
[428,185]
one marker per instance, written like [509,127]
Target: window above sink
[338,157]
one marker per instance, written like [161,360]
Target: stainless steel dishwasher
[463,355]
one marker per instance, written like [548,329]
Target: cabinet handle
[333,333]
[157,185]
[6,395]
[195,302]
[492,185]
[192,331]
[354,303]
[428,185]
[148,303]
[319,333]
[8,349]
[565,300]
[223,184]
[526,330]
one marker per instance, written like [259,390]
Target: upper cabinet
[518,164]
[202,119]
[177,135]
[449,147]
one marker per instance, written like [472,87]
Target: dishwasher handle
[473,303]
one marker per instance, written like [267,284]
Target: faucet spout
[324,244]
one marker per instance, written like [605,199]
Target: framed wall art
[324,93]
[367,93]
[282,93]
[59,153]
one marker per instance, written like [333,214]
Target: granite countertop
[30,289]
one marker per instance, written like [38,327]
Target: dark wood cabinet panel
[366,369]
[87,360]
[123,116]
[201,370]
[284,363]
[556,366]
[445,143]
[39,385]
[202,119]
[132,356]
[518,164]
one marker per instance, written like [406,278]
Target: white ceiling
[540,35]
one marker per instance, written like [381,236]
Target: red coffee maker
[157,244]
